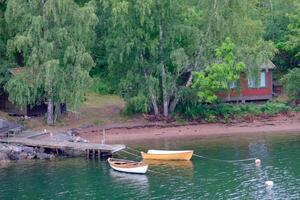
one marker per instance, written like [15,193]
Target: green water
[199,179]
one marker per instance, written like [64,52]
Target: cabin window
[232,85]
[263,79]
[252,83]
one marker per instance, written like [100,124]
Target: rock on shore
[10,152]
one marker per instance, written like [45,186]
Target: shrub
[101,87]
[272,108]
[297,109]
[247,109]
[137,104]
[191,108]
[291,84]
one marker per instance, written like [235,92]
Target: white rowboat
[128,166]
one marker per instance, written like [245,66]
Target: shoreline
[153,133]
[276,125]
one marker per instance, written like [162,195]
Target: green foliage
[22,89]
[289,46]
[238,20]
[4,63]
[53,37]
[101,87]
[278,18]
[219,75]
[145,50]
[292,44]
[137,104]
[297,109]
[144,37]
[247,109]
[190,108]
[272,108]
[291,83]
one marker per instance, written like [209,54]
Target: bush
[209,112]
[291,84]
[247,109]
[297,109]
[101,87]
[272,108]
[137,104]
[191,108]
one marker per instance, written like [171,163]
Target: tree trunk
[163,73]
[154,104]
[164,91]
[174,103]
[57,112]
[50,118]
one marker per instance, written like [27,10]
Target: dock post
[94,156]
[87,153]
[99,154]
[103,137]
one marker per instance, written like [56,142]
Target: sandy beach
[282,124]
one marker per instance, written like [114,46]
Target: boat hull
[137,168]
[167,155]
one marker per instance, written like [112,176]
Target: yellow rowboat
[167,155]
[128,166]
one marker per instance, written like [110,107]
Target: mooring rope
[132,149]
[220,160]
[196,155]
[131,153]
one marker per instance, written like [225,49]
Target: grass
[97,110]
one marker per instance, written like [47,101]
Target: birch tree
[54,38]
[151,44]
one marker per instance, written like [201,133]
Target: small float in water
[128,166]
[167,155]
[269,184]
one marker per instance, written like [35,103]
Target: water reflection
[186,165]
[139,180]
[196,179]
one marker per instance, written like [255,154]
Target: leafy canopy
[218,76]
[53,38]
[291,83]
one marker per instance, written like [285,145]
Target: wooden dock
[92,150]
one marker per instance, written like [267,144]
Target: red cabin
[251,88]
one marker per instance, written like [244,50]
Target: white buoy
[269,184]
[45,130]
[257,162]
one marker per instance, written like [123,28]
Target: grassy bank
[97,110]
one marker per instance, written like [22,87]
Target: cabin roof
[268,65]
[17,70]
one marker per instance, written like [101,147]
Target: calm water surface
[198,179]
